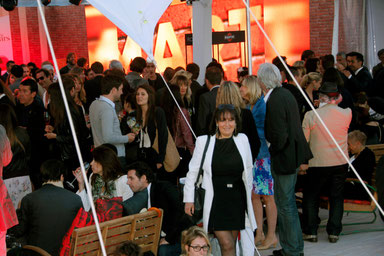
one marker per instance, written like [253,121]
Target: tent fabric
[137,19]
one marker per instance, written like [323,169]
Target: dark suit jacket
[138,201]
[207,105]
[165,195]
[46,215]
[289,148]
[362,82]
[92,90]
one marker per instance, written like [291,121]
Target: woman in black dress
[227,179]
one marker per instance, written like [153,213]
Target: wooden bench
[143,229]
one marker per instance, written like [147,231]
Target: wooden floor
[368,243]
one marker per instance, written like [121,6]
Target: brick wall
[321,15]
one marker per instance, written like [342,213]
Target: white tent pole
[314,110]
[249,41]
[335,37]
[89,190]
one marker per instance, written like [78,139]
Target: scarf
[108,192]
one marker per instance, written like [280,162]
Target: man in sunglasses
[44,79]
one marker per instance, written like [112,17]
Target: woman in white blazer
[107,179]
[227,180]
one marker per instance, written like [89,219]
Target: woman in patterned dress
[262,177]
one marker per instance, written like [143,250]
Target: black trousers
[334,178]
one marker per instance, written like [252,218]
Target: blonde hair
[357,136]
[187,236]
[81,95]
[229,93]
[309,78]
[254,89]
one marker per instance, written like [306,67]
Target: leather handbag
[172,157]
[199,191]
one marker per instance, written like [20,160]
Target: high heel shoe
[266,246]
[259,241]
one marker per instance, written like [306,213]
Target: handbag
[199,190]
[172,157]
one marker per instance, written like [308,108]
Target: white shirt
[2,95]
[357,71]
[266,97]
[107,100]
[214,87]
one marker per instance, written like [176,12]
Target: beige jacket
[325,152]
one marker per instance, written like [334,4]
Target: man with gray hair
[289,150]
[115,64]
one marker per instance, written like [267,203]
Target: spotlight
[45,2]
[9,5]
[75,2]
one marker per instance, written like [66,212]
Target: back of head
[141,169]
[115,64]
[328,61]
[108,82]
[229,93]
[269,75]
[129,248]
[342,54]
[214,75]
[294,71]
[307,54]
[51,170]
[380,52]
[81,62]
[76,70]
[168,73]
[357,136]
[309,78]
[138,64]
[31,83]
[97,67]
[194,69]
[311,65]
[17,71]
[333,75]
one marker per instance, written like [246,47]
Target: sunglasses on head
[226,106]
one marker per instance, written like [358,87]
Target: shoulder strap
[203,159]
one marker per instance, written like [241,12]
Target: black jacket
[289,148]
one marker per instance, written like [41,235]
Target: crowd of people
[258,143]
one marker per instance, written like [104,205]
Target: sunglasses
[198,248]
[40,78]
[226,106]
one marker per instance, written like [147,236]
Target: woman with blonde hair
[194,241]
[262,176]
[182,79]
[229,93]
[311,83]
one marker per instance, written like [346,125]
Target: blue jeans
[170,250]
[288,223]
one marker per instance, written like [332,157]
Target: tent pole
[249,42]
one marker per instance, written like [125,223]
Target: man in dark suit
[160,194]
[46,214]
[207,101]
[9,66]
[289,150]
[358,77]
[93,87]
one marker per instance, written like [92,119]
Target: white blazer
[242,144]
[122,189]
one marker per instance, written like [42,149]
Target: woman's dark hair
[170,108]
[56,104]
[151,104]
[311,65]
[332,75]
[107,158]
[8,119]
[131,99]
[219,114]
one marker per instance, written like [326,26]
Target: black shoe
[281,253]
[333,238]
[310,238]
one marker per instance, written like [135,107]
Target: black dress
[229,200]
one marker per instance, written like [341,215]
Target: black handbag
[199,191]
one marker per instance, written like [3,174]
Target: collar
[216,86]
[107,100]
[2,95]
[55,183]
[266,97]
[357,71]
